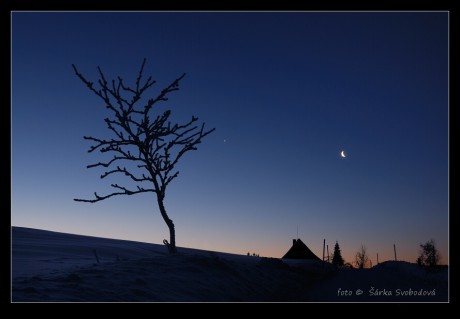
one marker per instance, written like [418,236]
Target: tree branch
[125,192]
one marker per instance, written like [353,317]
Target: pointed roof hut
[300,251]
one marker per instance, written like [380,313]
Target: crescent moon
[343,154]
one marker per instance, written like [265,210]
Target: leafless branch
[124,192]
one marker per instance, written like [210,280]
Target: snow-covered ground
[51,266]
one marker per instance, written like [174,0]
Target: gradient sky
[286,91]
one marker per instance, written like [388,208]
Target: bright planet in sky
[343,154]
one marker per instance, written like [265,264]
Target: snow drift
[57,267]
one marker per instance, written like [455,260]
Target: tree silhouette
[337,256]
[361,258]
[150,146]
[429,254]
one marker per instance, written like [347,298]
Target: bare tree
[429,254]
[361,258]
[149,147]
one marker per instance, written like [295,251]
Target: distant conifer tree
[337,256]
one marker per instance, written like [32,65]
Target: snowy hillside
[50,266]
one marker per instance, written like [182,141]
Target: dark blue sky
[286,91]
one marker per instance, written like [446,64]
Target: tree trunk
[172,232]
